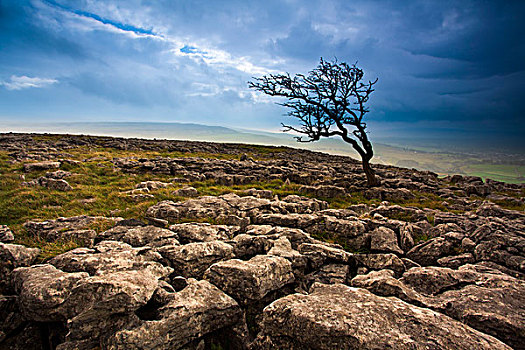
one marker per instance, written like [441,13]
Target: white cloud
[24,82]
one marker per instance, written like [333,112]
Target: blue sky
[442,65]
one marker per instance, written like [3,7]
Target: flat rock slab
[41,166]
[198,309]
[250,280]
[483,298]
[341,317]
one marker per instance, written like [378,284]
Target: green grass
[98,191]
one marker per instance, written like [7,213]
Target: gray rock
[483,298]
[6,235]
[153,185]
[108,256]
[429,252]
[202,232]
[330,274]
[379,262]
[456,261]
[195,311]
[187,191]
[191,260]
[59,174]
[283,248]
[149,235]
[251,280]
[358,319]
[55,184]
[384,284]
[384,240]
[11,257]
[320,254]
[29,167]
[42,291]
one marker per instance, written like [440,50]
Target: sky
[444,67]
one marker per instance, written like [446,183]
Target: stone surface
[192,259]
[358,319]
[11,257]
[6,235]
[198,309]
[251,280]
[384,240]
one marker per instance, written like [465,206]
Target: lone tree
[330,101]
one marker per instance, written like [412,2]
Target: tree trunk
[371,179]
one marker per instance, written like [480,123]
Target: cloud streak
[24,82]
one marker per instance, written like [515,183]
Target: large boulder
[191,313]
[341,317]
[251,280]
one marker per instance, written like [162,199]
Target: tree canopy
[330,101]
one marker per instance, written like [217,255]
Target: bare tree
[330,101]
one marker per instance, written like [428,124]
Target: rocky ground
[293,253]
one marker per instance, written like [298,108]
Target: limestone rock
[11,257]
[202,232]
[379,262]
[186,192]
[483,298]
[358,319]
[197,310]
[320,254]
[383,283]
[29,167]
[384,240]
[192,259]
[42,291]
[251,280]
[108,256]
[6,235]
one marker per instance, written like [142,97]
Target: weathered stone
[11,257]
[186,192]
[384,284]
[202,232]
[330,274]
[55,184]
[149,235]
[456,261]
[320,254]
[191,260]
[153,185]
[384,240]
[42,291]
[429,252]
[6,235]
[379,262]
[283,248]
[28,167]
[484,298]
[251,280]
[198,309]
[108,256]
[358,319]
